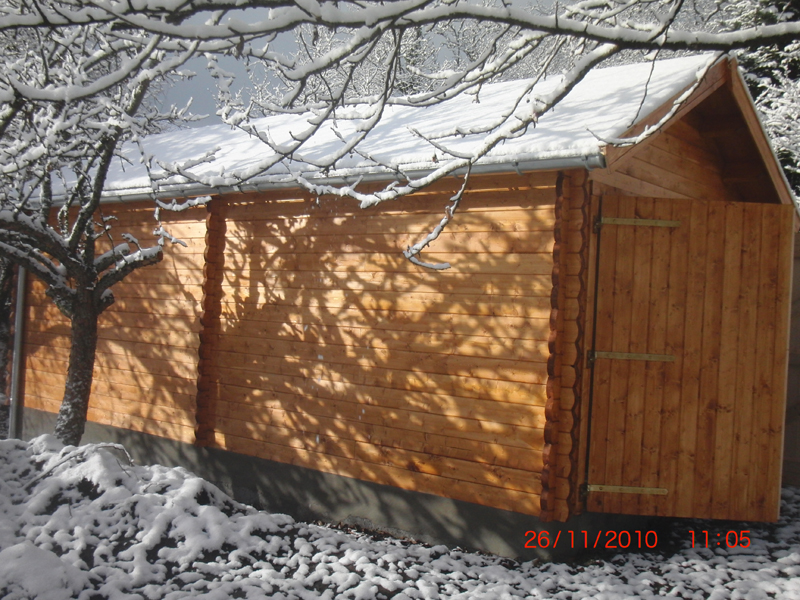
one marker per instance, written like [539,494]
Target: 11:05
[732,539]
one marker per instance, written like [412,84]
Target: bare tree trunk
[6,302]
[71,419]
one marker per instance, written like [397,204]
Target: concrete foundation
[309,495]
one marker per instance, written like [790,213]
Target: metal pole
[15,420]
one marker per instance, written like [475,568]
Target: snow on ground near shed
[85,524]
[605,104]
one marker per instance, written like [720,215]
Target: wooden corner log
[551,428]
[211,308]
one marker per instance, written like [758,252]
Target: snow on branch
[160,232]
[176,206]
[70,97]
[107,259]
[629,24]
[80,454]
[351,64]
[412,252]
[125,265]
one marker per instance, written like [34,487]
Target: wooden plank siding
[145,375]
[677,163]
[712,293]
[331,351]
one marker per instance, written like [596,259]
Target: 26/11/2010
[732,539]
[604,539]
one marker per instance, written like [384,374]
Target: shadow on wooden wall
[331,351]
[145,376]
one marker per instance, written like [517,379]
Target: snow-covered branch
[70,98]
[412,252]
[126,264]
[628,24]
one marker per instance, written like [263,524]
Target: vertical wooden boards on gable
[333,352]
[145,375]
[712,148]
[678,162]
[692,300]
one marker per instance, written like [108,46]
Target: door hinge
[595,354]
[600,221]
[624,489]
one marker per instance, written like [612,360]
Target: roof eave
[519,165]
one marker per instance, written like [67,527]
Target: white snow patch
[29,571]
[83,523]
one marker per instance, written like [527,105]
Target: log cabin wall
[145,375]
[293,329]
[333,352]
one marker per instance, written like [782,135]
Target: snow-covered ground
[84,523]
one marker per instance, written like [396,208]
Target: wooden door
[689,358]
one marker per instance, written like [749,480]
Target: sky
[201,88]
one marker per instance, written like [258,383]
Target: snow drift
[85,523]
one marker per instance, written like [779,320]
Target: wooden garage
[612,335]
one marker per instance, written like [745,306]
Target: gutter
[181,190]
[15,418]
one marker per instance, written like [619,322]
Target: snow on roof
[604,105]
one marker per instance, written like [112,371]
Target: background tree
[773,75]
[6,298]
